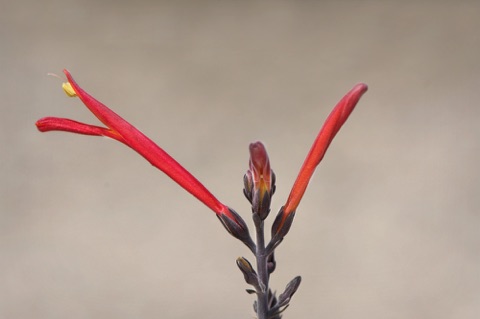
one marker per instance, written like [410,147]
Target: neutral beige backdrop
[389,227]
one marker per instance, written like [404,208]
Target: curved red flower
[119,129]
[332,125]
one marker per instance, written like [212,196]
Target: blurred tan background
[389,227]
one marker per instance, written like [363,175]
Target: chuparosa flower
[332,125]
[119,129]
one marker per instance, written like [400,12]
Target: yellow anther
[67,87]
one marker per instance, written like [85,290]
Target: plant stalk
[262,271]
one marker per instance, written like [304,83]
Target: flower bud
[284,298]
[249,273]
[290,290]
[259,180]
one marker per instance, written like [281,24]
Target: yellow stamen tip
[68,89]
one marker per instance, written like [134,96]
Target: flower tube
[119,129]
[330,128]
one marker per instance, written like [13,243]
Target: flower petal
[47,124]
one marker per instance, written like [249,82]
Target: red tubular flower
[120,130]
[330,128]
